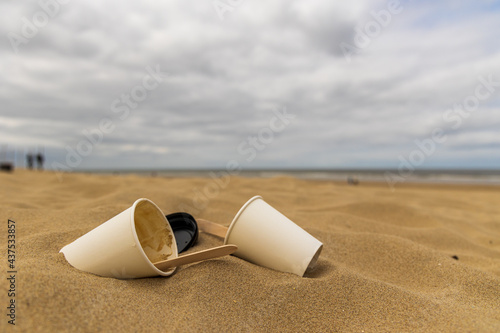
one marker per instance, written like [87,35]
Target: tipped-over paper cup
[268,238]
[126,246]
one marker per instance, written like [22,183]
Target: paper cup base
[267,238]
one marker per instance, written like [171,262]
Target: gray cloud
[226,76]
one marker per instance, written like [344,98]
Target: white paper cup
[126,246]
[268,238]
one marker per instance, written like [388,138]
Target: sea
[353,176]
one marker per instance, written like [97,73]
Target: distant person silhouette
[29,161]
[39,161]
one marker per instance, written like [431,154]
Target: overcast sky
[281,84]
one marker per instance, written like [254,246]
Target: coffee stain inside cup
[154,235]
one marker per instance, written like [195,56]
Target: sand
[422,258]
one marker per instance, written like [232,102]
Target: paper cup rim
[236,217]
[136,238]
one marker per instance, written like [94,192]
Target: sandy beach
[422,258]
